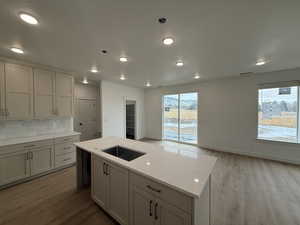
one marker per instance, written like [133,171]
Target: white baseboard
[253,154]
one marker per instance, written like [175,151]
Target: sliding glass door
[171,115]
[180,117]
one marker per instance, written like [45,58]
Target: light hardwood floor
[245,191]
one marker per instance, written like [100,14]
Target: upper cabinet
[18,92]
[64,94]
[44,93]
[30,93]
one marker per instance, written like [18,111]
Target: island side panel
[83,168]
[202,206]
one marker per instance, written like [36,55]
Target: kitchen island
[139,183]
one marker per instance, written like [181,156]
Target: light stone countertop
[22,140]
[182,169]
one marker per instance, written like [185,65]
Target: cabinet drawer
[74,138]
[163,192]
[65,159]
[64,148]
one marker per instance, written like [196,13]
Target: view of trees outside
[185,128]
[277,114]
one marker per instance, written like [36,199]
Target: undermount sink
[123,153]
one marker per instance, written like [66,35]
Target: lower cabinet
[147,209]
[166,214]
[141,207]
[110,188]
[18,162]
[41,160]
[13,167]
[23,164]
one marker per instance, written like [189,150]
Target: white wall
[113,108]
[227,115]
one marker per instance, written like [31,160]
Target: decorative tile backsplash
[30,128]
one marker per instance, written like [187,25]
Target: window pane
[277,114]
[171,117]
[188,117]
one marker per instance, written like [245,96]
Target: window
[278,114]
[180,117]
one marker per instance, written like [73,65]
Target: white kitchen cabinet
[166,214]
[141,204]
[164,205]
[13,167]
[117,202]
[64,85]
[148,209]
[41,160]
[44,93]
[18,92]
[110,188]
[99,181]
[19,162]
[2,92]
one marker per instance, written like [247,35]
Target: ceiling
[215,38]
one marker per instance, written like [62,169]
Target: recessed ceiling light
[85,81]
[168,41]
[260,62]
[123,59]
[197,76]
[122,77]
[17,50]
[179,63]
[148,84]
[148,163]
[196,180]
[28,18]
[94,70]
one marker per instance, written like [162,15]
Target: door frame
[135,116]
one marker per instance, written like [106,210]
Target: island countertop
[184,170]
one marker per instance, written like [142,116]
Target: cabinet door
[43,93]
[41,160]
[64,94]
[99,181]
[13,167]
[117,202]
[18,92]
[166,214]
[142,206]
[2,89]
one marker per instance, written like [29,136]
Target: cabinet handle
[155,211]
[153,189]
[150,208]
[107,170]
[104,167]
